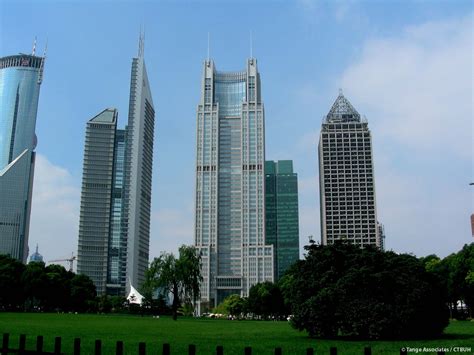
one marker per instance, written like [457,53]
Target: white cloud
[55,211]
[417,88]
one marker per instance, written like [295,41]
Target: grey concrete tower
[230,196]
[346,177]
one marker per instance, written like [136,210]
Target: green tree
[35,285]
[180,277]
[342,289]
[58,285]
[233,305]
[12,294]
[83,294]
[265,299]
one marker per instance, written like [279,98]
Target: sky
[407,66]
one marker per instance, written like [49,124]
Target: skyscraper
[139,166]
[230,157]
[20,81]
[114,226]
[281,214]
[346,177]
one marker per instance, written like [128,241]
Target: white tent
[134,296]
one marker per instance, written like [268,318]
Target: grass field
[206,334]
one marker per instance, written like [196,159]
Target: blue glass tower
[20,81]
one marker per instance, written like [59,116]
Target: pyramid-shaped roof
[109,115]
[342,111]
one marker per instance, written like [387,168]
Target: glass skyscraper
[346,178]
[281,212]
[230,196]
[114,226]
[20,81]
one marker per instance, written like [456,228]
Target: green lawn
[206,334]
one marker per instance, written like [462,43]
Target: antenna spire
[40,76]
[251,45]
[141,43]
[340,92]
[208,46]
[34,47]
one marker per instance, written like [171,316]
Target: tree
[58,285]
[342,289]
[265,299]
[35,287]
[233,305]
[12,294]
[83,293]
[181,277]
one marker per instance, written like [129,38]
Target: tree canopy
[36,287]
[180,277]
[343,290]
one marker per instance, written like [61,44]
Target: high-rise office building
[281,214]
[20,81]
[346,178]
[114,226]
[230,196]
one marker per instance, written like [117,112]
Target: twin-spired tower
[230,195]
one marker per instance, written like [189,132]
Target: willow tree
[179,277]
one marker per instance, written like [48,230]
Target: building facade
[20,81]
[346,178]
[230,196]
[114,226]
[281,214]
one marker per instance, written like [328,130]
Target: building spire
[34,47]
[141,43]
[208,46]
[251,45]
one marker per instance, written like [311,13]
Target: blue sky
[406,66]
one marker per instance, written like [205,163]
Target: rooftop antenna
[251,45]
[340,92]
[34,47]
[141,39]
[40,76]
[208,46]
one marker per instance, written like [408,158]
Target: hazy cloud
[54,211]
